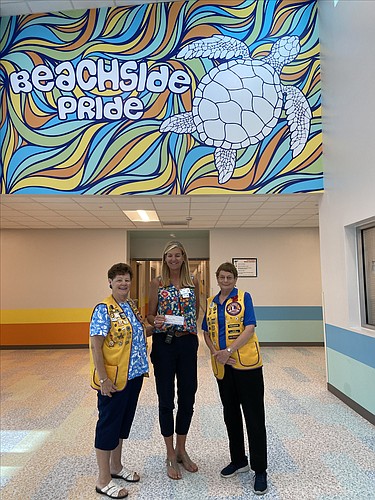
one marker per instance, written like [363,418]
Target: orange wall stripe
[44,334]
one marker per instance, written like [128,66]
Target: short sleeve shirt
[249,317]
[101,325]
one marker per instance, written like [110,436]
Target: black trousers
[245,388]
[116,415]
[175,361]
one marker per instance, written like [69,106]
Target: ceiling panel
[107,211]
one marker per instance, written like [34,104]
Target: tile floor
[319,449]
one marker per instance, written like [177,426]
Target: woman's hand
[224,357]
[149,330]
[107,387]
[159,321]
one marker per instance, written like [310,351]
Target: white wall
[59,268]
[288,263]
[51,268]
[348,81]
[347,34]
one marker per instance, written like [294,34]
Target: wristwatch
[103,380]
[229,350]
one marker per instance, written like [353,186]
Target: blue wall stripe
[352,344]
[286,313]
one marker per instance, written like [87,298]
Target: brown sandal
[172,464]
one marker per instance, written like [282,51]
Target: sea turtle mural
[239,102]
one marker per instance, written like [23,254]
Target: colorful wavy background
[42,154]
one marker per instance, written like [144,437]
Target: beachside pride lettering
[100,76]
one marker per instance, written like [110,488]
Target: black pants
[245,388]
[177,360]
[116,415]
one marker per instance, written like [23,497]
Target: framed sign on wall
[246,267]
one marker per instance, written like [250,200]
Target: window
[366,253]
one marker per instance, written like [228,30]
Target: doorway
[145,251]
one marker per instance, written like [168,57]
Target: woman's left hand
[108,387]
[224,357]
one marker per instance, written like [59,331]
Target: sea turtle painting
[239,102]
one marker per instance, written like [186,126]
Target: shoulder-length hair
[185,276]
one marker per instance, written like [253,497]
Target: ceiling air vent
[175,222]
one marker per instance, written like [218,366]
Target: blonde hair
[185,277]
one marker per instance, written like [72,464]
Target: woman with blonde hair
[173,310]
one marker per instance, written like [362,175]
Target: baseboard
[53,346]
[352,404]
[291,344]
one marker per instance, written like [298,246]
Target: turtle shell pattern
[237,103]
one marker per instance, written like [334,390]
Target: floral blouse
[101,324]
[178,302]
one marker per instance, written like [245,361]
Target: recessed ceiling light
[141,215]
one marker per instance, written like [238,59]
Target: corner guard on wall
[352,404]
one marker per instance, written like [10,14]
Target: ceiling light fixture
[142,215]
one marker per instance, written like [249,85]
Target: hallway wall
[348,75]
[287,291]
[50,281]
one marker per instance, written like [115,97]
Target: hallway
[319,449]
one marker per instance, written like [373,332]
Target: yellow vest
[248,356]
[116,347]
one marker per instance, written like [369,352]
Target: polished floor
[319,449]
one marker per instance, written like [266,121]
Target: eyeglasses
[226,278]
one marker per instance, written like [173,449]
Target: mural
[170,98]
[239,103]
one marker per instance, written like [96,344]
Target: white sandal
[127,475]
[112,490]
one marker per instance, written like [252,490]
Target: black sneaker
[233,469]
[260,483]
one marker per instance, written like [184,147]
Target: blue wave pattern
[44,154]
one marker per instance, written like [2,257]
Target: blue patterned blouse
[101,324]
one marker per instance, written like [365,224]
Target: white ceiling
[179,212]
[175,212]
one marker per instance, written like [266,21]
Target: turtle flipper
[298,114]
[285,50]
[215,47]
[181,124]
[225,162]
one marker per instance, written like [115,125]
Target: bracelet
[103,380]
